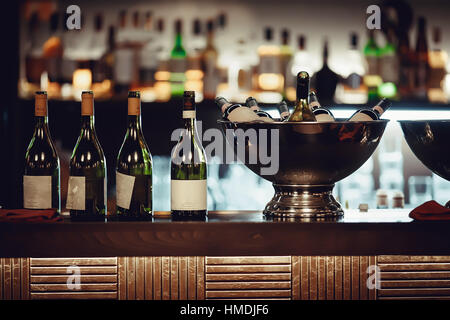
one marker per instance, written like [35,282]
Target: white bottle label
[37,192]
[242,114]
[188,194]
[124,189]
[76,194]
[361,117]
[188,114]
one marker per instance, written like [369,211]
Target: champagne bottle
[371,114]
[253,105]
[235,112]
[188,188]
[86,196]
[134,168]
[320,113]
[302,110]
[41,180]
[284,111]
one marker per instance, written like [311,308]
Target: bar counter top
[377,232]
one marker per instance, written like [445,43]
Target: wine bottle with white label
[134,168]
[284,111]
[321,114]
[41,180]
[371,114]
[188,188]
[235,112]
[86,197]
[253,105]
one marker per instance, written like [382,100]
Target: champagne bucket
[429,141]
[311,156]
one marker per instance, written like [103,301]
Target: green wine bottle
[86,197]
[188,188]
[41,180]
[302,111]
[177,64]
[134,168]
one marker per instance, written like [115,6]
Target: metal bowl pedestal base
[303,202]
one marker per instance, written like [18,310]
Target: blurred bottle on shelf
[209,63]
[422,67]
[389,67]
[406,61]
[34,61]
[125,56]
[148,56]
[438,63]
[270,78]
[352,89]
[194,72]
[325,80]
[286,54]
[372,77]
[177,62]
[162,75]
[302,60]
[53,50]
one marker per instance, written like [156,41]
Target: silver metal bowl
[312,156]
[429,140]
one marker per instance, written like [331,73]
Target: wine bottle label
[37,192]
[188,194]
[40,107]
[134,106]
[242,114]
[360,116]
[76,194]
[188,114]
[379,109]
[124,189]
[323,117]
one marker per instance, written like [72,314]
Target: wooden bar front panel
[243,277]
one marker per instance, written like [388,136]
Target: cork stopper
[40,104]
[87,103]
[134,103]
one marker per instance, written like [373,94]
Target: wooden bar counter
[233,255]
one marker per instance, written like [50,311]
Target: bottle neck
[134,125]
[41,126]
[87,126]
[190,123]
[178,40]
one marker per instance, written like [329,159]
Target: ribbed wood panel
[414,277]
[49,278]
[248,277]
[331,278]
[14,278]
[161,278]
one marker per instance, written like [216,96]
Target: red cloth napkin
[27,215]
[430,210]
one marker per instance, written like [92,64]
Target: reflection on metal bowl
[429,140]
[311,157]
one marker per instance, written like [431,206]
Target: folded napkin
[430,210]
[27,215]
